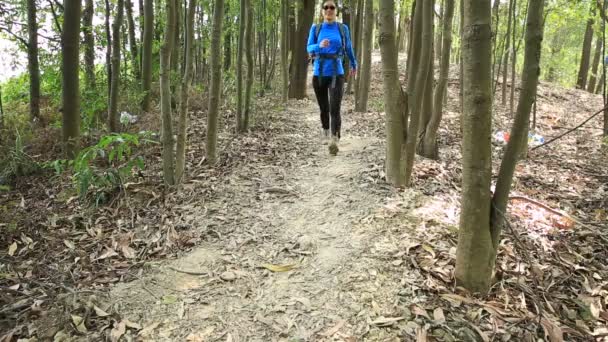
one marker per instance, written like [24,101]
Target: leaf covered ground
[281,242]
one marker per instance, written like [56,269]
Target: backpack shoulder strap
[317,30]
[343,37]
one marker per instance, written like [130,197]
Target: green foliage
[103,168]
[15,162]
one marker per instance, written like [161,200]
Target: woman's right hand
[324,43]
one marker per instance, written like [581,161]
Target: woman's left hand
[353,72]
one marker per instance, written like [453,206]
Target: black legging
[329,100]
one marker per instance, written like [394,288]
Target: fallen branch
[196,273]
[570,130]
[544,206]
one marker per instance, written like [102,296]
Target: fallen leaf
[99,312]
[12,249]
[79,323]
[132,325]
[386,321]
[438,316]
[148,329]
[118,330]
[419,311]
[331,331]
[128,252]
[108,253]
[429,249]
[69,244]
[169,299]
[421,335]
[553,331]
[279,268]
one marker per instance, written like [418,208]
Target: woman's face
[329,10]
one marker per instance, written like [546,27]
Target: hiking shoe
[333,146]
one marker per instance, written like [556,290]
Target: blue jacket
[330,31]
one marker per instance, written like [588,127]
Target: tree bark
[284,50]
[519,131]
[250,66]
[416,92]
[147,53]
[115,80]
[228,39]
[513,60]
[70,86]
[297,87]
[239,65]
[133,40]
[594,66]
[216,79]
[428,147]
[108,49]
[182,125]
[507,53]
[393,97]
[165,93]
[89,43]
[583,69]
[474,256]
[32,60]
[366,60]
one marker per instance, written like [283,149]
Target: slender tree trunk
[32,60]
[421,77]
[180,154]
[475,253]
[507,52]
[519,131]
[70,85]
[393,96]
[239,65]
[228,39]
[461,65]
[165,93]
[297,88]
[513,60]
[115,80]
[284,50]
[496,26]
[358,42]
[594,66]
[177,43]
[438,33]
[249,30]
[366,62]
[585,55]
[89,43]
[147,53]
[428,146]
[108,49]
[216,79]
[133,40]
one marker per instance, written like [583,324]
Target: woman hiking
[328,42]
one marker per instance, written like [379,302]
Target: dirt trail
[318,216]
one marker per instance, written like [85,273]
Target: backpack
[342,36]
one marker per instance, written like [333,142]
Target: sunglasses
[329,7]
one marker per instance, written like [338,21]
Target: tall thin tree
[70,47]
[165,93]
[147,42]
[216,78]
[115,81]
[32,60]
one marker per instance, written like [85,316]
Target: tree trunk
[70,48]
[228,39]
[461,65]
[239,65]
[147,53]
[32,60]
[177,43]
[133,40]
[216,79]
[594,66]
[89,43]
[507,52]
[297,87]
[393,97]
[438,33]
[108,49]
[583,69]
[366,60]
[519,131]
[250,66]
[115,80]
[416,93]
[475,253]
[495,49]
[180,154]
[165,93]
[428,146]
[513,60]
[284,50]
